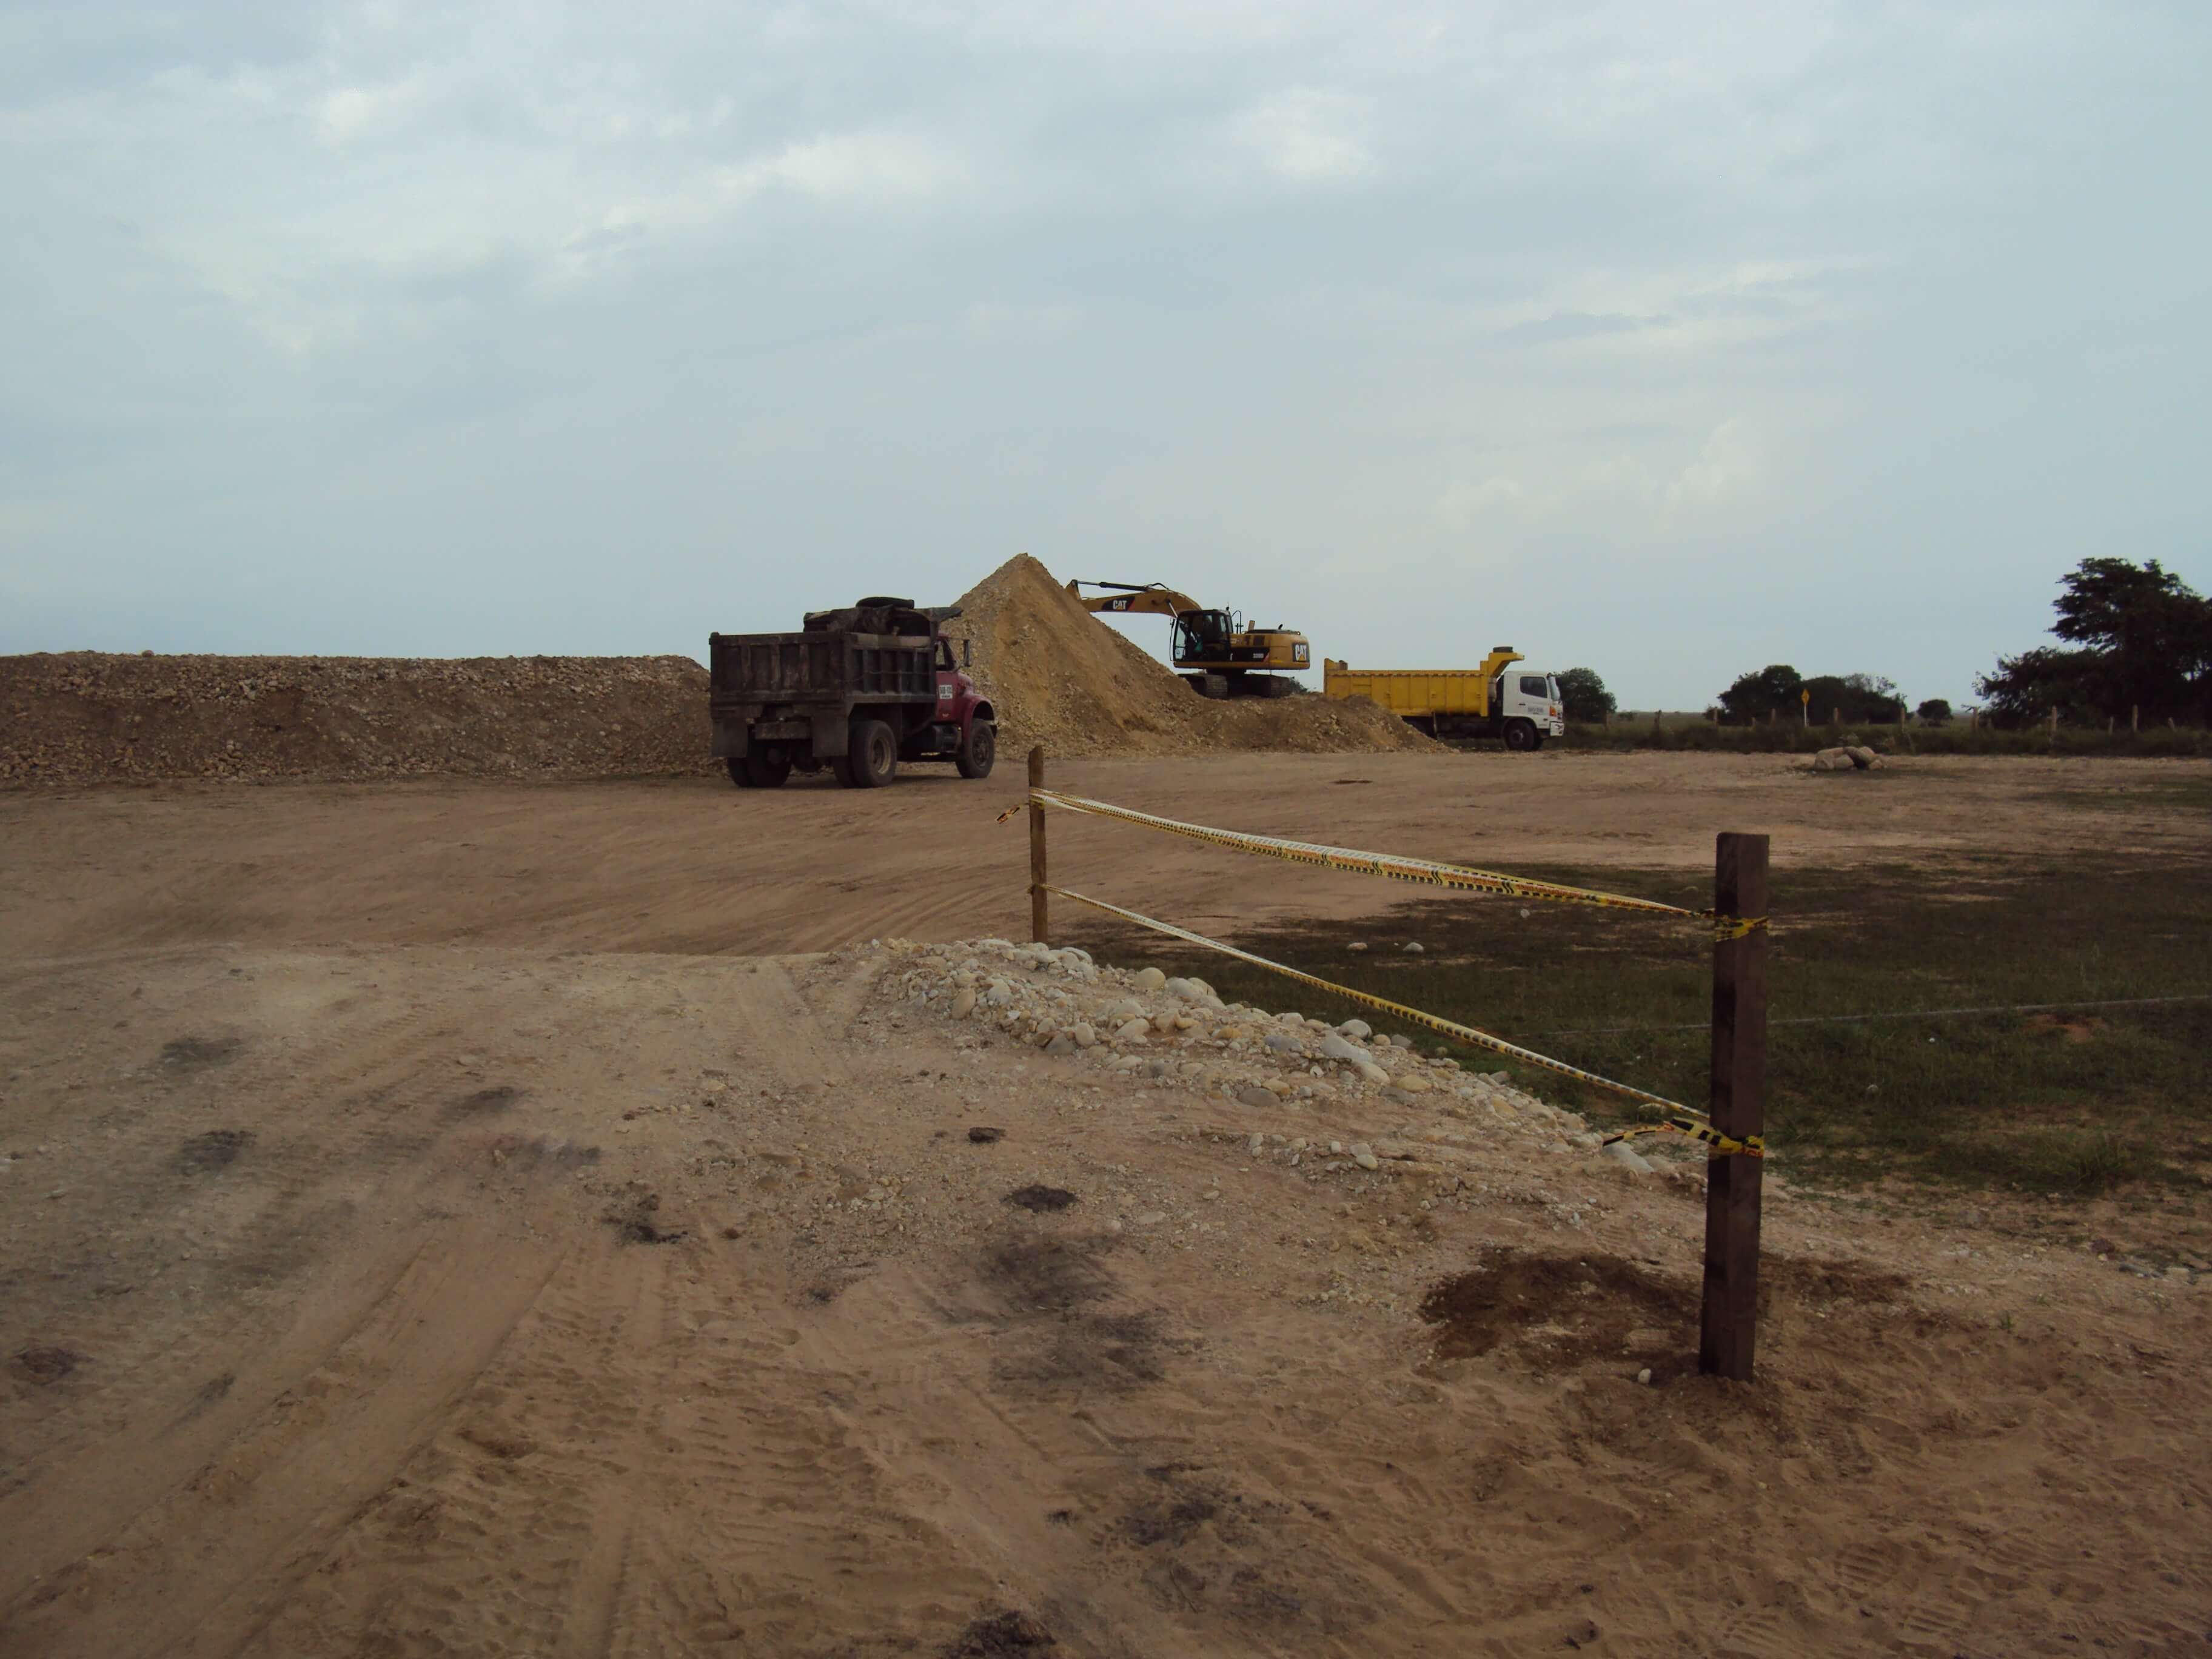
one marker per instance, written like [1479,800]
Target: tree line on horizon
[2137,646]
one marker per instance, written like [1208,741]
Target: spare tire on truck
[871,757]
[760,771]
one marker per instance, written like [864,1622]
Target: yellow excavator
[1214,650]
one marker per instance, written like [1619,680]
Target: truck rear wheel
[769,771]
[871,759]
[978,750]
[1520,736]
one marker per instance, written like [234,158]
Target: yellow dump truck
[1489,701]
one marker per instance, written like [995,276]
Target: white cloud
[1302,137]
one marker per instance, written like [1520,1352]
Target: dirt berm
[1061,678]
[1057,675]
[86,717]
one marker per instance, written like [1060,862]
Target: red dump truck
[857,691]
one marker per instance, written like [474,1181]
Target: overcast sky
[1668,339]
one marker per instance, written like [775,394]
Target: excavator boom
[1129,598]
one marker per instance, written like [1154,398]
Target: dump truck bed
[820,667]
[1420,693]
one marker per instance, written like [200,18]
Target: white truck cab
[1525,708]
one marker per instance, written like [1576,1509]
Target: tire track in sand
[223,1555]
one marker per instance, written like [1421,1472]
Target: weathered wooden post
[1729,1329]
[2054,722]
[2134,719]
[1040,905]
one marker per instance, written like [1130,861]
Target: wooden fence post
[2135,718]
[1728,1328]
[2054,722]
[1040,906]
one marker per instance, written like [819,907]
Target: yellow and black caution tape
[1717,1143]
[1678,1117]
[1396,868]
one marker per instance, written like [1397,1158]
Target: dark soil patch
[983,1136]
[197,1054]
[1553,1311]
[634,1222]
[1042,1200]
[1175,1520]
[47,1365]
[998,1633]
[499,1442]
[484,1102]
[218,1149]
[1046,1275]
[1099,1353]
[1057,1336]
[1817,1281]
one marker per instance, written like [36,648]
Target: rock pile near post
[1858,758]
[1142,1028]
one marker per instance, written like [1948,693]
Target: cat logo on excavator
[1215,650]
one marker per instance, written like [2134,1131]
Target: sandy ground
[694,865]
[413,1241]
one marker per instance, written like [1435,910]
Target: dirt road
[397,1257]
[697,866]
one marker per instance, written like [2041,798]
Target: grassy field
[1675,733]
[2077,1100]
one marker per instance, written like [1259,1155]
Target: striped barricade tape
[1677,1117]
[1427,871]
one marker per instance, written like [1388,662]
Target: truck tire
[1521,736]
[978,750]
[766,771]
[738,775]
[871,758]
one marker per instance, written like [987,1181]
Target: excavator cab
[1201,637]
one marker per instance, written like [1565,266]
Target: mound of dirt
[1059,677]
[87,717]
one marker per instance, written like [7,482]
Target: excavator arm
[1127,598]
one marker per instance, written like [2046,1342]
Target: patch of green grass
[2074,1101]
[2188,794]
[1790,738]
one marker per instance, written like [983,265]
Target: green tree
[2138,637]
[1583,696]
[1772,690]
[1860,698]
[1937,711]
